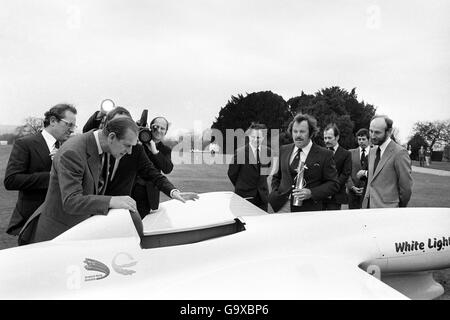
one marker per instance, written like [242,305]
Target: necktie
[295,162]
[104,173]
[331,148]
[57,144]
[377,159]
[363,159]
[113,164]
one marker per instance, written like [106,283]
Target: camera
[145,134]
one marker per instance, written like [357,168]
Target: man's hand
[152,146]
[361,173]
[357,191]
[53,152]
[184,196]
[123,202]
[302,194]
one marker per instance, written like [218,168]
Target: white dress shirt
[303,154]
[49,140]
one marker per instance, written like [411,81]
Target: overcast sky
[184,59]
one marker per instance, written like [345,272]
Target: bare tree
[32,125]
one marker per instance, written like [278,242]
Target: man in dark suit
[124,172]
[79,179]
[356,183]
[319,174]
[342,158]
[246,171]
[145,192]
[29,164]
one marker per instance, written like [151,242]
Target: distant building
[3,142]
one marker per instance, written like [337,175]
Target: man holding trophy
[306,173]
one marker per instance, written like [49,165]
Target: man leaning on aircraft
[124,171]
[79,178]
[389,175]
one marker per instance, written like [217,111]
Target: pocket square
[316,165]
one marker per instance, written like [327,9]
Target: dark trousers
[257,201]
[307,205]
[141,197]
[355,201]
[330,205]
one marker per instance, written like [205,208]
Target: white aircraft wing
[285,279]
[223,247]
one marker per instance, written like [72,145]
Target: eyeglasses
[156,127]
[69,124]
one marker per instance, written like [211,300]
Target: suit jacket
[131,165]
[320,177]
[163,162]
[92,123]
[28,171]
[247,177]
[72,195]
[391,183]
[356,166]
[343,161]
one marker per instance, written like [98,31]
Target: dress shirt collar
[366,151]
[97,140]
[303,154]
[49,139]
[384,146]
[335,147]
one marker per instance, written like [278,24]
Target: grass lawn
[428,191]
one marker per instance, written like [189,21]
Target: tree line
[328,105]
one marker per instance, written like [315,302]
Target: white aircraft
[223,247]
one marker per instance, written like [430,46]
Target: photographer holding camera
[145,192]
[135,167]
[97,120]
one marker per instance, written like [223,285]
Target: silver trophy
[299,183]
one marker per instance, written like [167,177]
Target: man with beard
[389,182]
[320,175]
[30,162]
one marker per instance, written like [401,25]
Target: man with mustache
[320,175]
[389,181]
